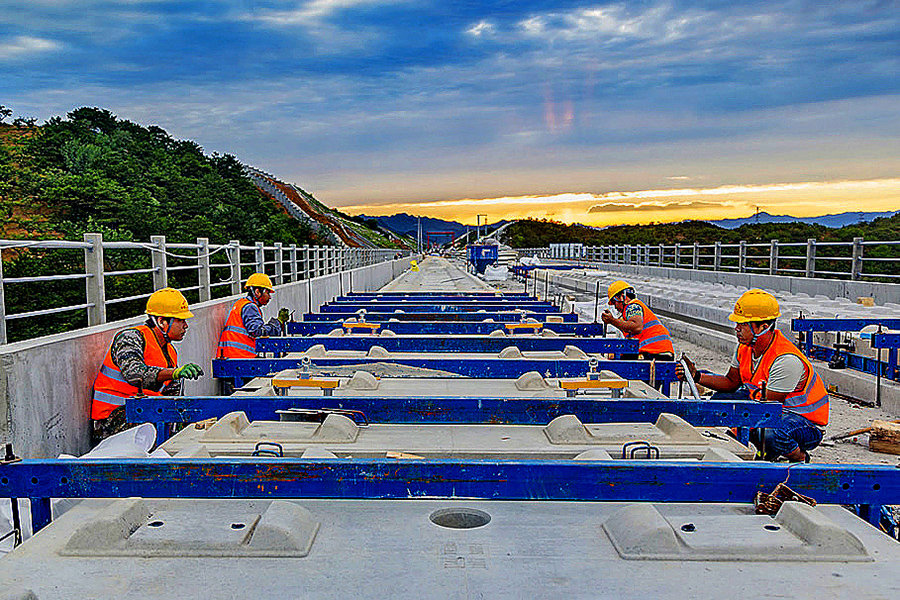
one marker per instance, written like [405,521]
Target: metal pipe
[687,377]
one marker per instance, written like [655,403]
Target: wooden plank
[885,437]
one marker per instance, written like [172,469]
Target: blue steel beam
[426,307]
[478,344]
[508,411]
[841,324]
[419,293]
[607,481]
[436,298]
[886,340]
[458,301]
[469,317]
[241,369]
[444,328]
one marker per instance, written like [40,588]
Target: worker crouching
[245,321]
[769,367]
[142,360]
[638,322]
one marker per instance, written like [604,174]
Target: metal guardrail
[284,263]
[799,259]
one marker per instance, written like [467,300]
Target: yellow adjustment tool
[534,327]
[609,380]
[285,380]
[370,326]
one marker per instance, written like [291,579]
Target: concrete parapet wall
[45,383]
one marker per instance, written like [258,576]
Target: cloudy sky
[578,111]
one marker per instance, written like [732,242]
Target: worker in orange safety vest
[638,322]
[245,321]
[142,360]
[769,367]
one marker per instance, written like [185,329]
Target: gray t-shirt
[786,374]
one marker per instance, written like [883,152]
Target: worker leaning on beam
[769,367]
[245,321]
[142,359]
[638,322]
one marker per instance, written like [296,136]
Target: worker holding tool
[245,322]
[142,360]
[768,367]
[638,322]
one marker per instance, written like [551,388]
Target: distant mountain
[834,221]
[404,224]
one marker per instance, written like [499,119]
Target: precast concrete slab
[671,437]
[436,274]
[451,548]
[364,384]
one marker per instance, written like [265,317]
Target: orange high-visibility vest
[235,342]
[110,387]
[654,337]
[810,402]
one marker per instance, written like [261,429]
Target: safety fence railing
[855,260]
[53,285]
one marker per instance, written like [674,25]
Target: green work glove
[283,315]
[188,371]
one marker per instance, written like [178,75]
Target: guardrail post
[695,259]
[260,256]
[234,258]
[717,257]
[203,269]
[857,262]
[306,262]
[293,255]
[159,262]
[95,285]
[773,257]
[2,304]
[742,256]
[279,263]
[677,255]
[811,257]
[662,255]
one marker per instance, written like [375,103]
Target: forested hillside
[92,170]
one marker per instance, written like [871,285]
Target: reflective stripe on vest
[654,337]
[235,342]
[810,402]
[110,386]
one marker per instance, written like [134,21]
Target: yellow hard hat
[616,287]
[259,280]
[168,302]
[755,305]
[413,263]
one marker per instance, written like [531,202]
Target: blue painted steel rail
[525,295]
[425,307]
[442,300]
[480,344]
[241,369]
[465,317]
[439,298]
[509,411]
[607,481]
[444,328]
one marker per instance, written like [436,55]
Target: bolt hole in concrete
[688,527]
[155,524]
[771,527]
[460,518]
[237,525]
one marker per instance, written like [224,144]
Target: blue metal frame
[444,328]
[607,481]
[460,317]
[866,364]
[411,307]
[510,411]
[511,303]
[389,298]
[242,369]
[479,344]
[435,294]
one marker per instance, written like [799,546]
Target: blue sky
[458,108]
